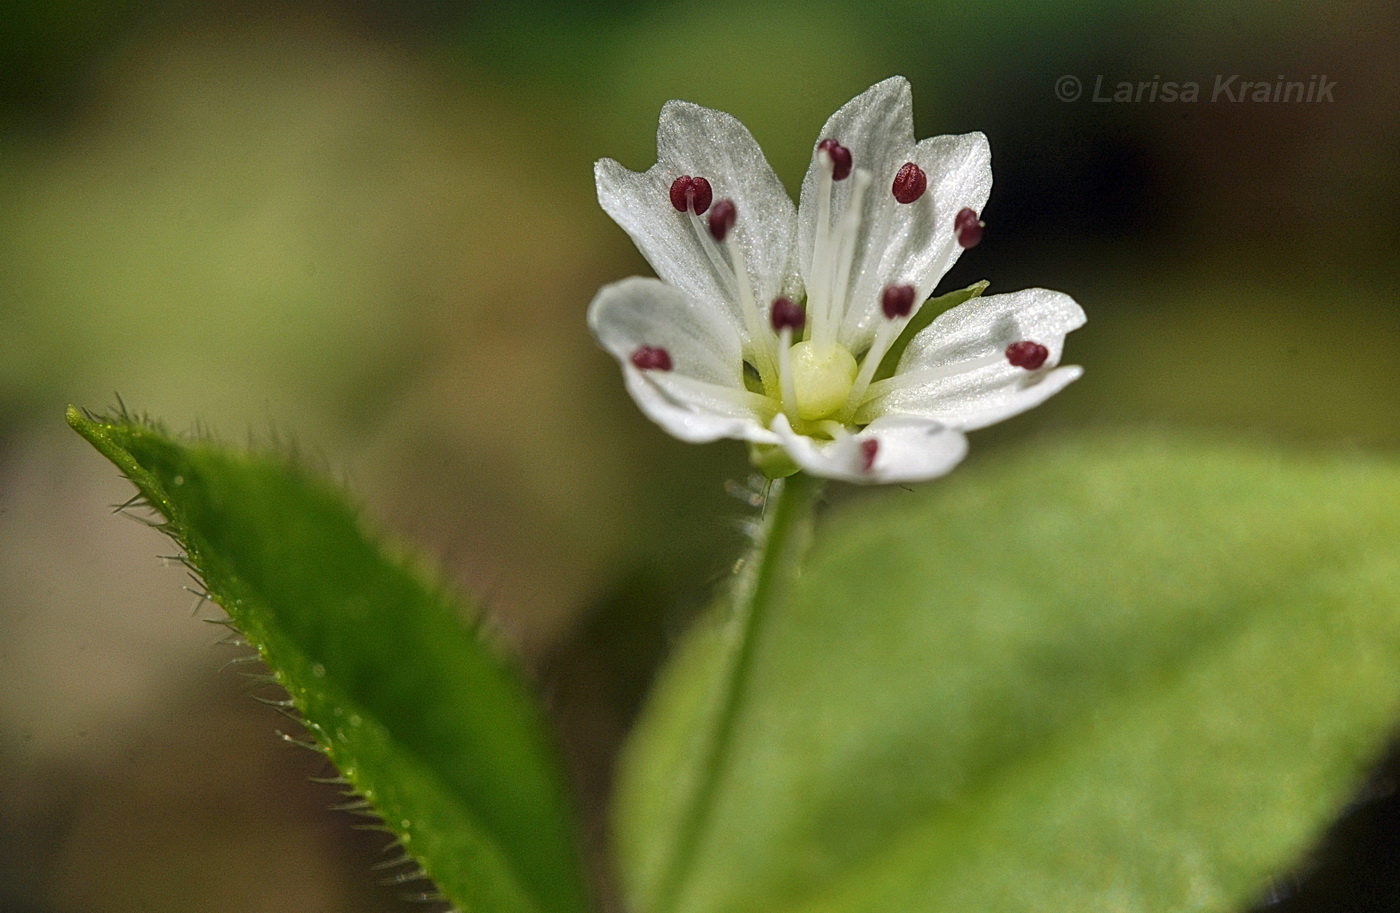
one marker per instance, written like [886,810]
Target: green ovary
[821,378]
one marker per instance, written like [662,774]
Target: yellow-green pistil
[822,377]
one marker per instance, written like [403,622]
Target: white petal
[702,398]
[700,142]
[976,334]
[900,243]
[877,126]
[917,245]
[905,449]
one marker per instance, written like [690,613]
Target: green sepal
[772,460]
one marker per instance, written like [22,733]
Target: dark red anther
[1027,354]
[681,192]
[722,219]
[688,192]
[868,448]
[897,301]
[786,315]
[651,358]
[840,158]
[910,183]
[967,227]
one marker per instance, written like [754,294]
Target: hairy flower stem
[778,554]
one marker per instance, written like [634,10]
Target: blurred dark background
[371,226]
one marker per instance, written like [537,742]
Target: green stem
[777,556]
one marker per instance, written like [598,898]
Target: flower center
[822,377]
[805,367]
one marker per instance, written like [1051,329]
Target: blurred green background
[370,228]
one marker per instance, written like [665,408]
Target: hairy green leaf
[420,715]
[1119,675]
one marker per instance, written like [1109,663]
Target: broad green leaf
[1121,675]
[419,714]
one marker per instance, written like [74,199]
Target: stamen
[788,320]
[910,183]
[968,227]
[701,194]
[816,288]
[712,251]
[1027,354]
[722,219]
[840,158]
[688,193]
[651,358]
[681,192]
[878,238]
[868,449]
[897,301]
[785,315]
[838,291]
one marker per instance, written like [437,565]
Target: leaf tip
[83,422]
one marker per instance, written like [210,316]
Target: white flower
[770,323]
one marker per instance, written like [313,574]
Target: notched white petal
[877,126]
[689,418]
[959,170]
[640,202]
[990,323]
[956,371]
[916,244]
[974,406]
[912,449]
[702,397]
[703,341]
[701,142]
[901,243]
[891,449]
